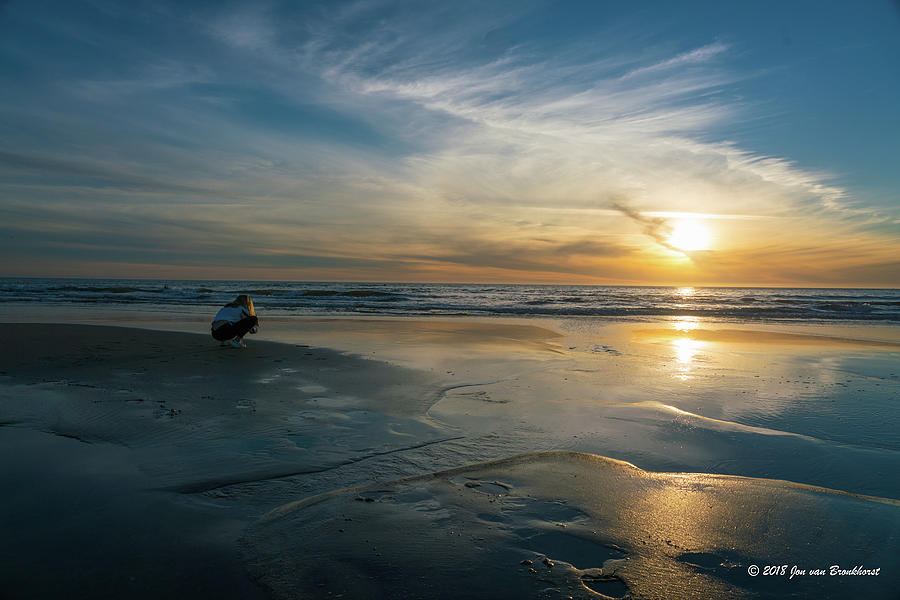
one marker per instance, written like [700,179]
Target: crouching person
[234,321]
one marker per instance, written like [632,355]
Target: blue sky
[467,141]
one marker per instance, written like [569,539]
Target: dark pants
[233,330]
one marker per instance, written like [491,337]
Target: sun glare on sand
[690,235]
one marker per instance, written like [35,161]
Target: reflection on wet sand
[692,341]
[565,524]
[686,329]
[486,333]
[686,351]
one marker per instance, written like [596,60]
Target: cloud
[691,57]
[48,168]
[560,130]
[421,138]
[535,255]
[657,228]
[160,76]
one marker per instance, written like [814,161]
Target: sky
[528,141]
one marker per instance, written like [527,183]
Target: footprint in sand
[610,586]
[493,488]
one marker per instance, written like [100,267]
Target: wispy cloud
[657,228]
[538,123]
[408,137]
[696,56]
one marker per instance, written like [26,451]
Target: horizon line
[497,283]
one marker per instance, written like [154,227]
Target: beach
[439,457]
[390,300]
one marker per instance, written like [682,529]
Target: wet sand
[115,441]
[149,463]
[571,525]
[743,336]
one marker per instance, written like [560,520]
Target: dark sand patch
[117,443]
[78,521]
[198,416]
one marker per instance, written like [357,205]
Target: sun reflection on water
[685,323]
[686,351]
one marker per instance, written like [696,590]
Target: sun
[690,235]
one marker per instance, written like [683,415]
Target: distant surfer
[235,320]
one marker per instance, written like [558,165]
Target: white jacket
[229,315]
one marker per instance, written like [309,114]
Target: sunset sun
[690,236]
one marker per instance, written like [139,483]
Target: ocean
[330,298]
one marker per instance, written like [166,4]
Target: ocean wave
[461,299]
[101,290]
[365,293]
